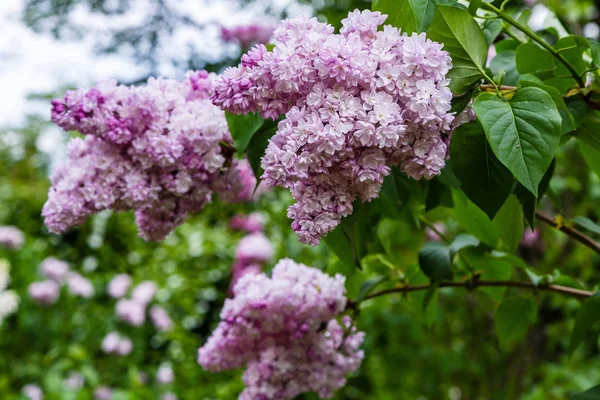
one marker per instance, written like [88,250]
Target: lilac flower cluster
[251,223]
[57,273]
[355,103]
[252,252]
[283,329]
[115,343]
[247,35]
[159,149]
[11,237]
[32,392]
[9,299]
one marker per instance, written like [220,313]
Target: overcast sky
[38,63]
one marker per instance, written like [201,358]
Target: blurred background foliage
[446,350]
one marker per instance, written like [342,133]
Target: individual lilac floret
[114,343]
[247,35]
[32,392]
[119,285]
[11,237]
[160,318]
[144,292]
[283,329]
[159,149]
[131,312]
[44,292]
[54,269]
[165,375]
[355,104]
[80,286]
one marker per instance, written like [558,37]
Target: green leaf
[242,128]
[578,108]
[491,29]
[587,316]
[438,194]
[484,179]
[505,62]
[475,221]
[591,157]
[524,133]
[462,241]
[256,149]
[513,318]
[528,201]
[409,15]
[368,286]
[491,268]
[587,224]
[590,394]
[507,45]
[509,221]
[459,103]
[588,132]
[463,38]
[572,49]
[435,261]
[392,205]
[341,246]
[595,46]
[531,58]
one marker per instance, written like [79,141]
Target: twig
[574,233]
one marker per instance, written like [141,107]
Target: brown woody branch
[572,232]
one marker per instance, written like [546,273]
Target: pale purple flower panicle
[355,103]
[283,329]
[254,248]
[103,393]
[119,285]
[44,292]
[54,269]
[159,149]
[250,223]
[247,35]
[114,343]
[144,292]
[160,318]
[11,237]
[75,381]
[165,375]
[32,392]
[131,312]
[80,286]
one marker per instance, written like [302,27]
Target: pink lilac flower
[103,393]
[247,35]
[355,104]
[131,312]
[115,343]
[11,237]
[144,292]
[119,285]
[80,286]
[250,223]
[432,235]
[160,318]
[159,149]
[32,392]
[75,381]
[54,269]
[165,375]
[283,329]
[254,248]
[44,292]
[169,396]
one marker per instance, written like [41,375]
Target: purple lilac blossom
[254,248]
[54,269]
[159,149]
[160,318]
[247,35]
[250,223]
[119,285]
[144,292]
[115,343]
[355,103]
[80,286]
[131,312]
[103,393]
[32,392]
[283,329]
[165,375]
[44,292]
[11,237]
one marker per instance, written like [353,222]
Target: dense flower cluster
[252,252]
[165,375]
[159,149]
[57,273]
[115,343]
[247,35]
[119,285]
[251,223]
[11,237]
[354,103]
[283,329]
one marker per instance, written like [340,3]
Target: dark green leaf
[438,194]
[448,177]
[506,45]
[587,224]
[578,108]
[528,201]
[409,15]
[459,103]
[572,49]
[588,131]
[484,179]
[509,221]
[591,157]
[595,46]
[256,149]
[587,316]
[491,30]
[463,38]
[590,394]
[435,262]
[531,58]
[368,286]
[505,62]
[513,318]
[391,203]
[475,221]
[462,241]
[242,128]
[524,133]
